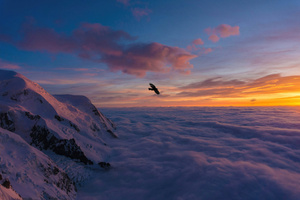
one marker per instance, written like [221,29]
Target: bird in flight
[153,88]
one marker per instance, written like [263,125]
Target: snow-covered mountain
[65,125]
[30,172]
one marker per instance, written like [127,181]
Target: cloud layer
[201,153]
[115,48]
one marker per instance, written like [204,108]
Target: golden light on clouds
[271,90]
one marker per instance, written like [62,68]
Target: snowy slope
[30,172]
[48,142]
[85,105]
[48,123]
[8,194]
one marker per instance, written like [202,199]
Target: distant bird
[153,88]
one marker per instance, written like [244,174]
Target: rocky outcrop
[31,116]
[63,181]
[6,122]
[104,165]
[44,139]
[61,119]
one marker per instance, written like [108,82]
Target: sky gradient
[198,53]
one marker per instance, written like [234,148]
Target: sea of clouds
[201,153]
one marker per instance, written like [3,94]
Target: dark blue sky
[111,46]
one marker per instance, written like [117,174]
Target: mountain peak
[7,74]
[64,127]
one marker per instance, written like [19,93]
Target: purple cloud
[140,58]
[101,44]
[45,39]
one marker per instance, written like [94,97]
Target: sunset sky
[197,52]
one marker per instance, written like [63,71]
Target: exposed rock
[61,119]
[6,122]
[94,127]
[32,117]
[112,134]
[17,97]
[58,118]
[63,182]
[44,139]
[74,126]
[30,172]
[6,183]
[104,165]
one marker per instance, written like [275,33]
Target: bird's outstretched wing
[153,88]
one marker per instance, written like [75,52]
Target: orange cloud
[223,31]
[226,30]
[208,50]
[195,47]
[268,90]
[198,41]
[214,38]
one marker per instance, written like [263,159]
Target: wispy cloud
[272,89]
[101,44]
[7,65]
[273,84]
[137,8]
[223,31]
[214,38]
[213,82]
[138,13]
[198,41]
[197,47]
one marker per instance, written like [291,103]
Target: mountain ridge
[68,126]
